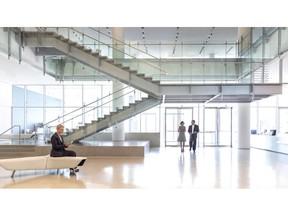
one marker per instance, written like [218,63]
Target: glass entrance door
[217,126]
[173,117]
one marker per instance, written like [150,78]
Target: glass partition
[174,62]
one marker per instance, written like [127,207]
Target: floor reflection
[63,180]
[166,168]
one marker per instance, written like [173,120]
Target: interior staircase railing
[19,131]
[112,48]
[104,106]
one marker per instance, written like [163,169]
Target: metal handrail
[98,106]
[108,45]
[121,51]
[59,117]
[19,134]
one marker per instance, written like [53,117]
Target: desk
[271,143]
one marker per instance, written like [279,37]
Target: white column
[244,108]
[118,132]
[244,125]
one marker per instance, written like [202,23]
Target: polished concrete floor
[166,168]
[214,181]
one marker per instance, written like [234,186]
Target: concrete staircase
[109,120]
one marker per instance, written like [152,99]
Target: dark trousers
[63,153]
[193,141]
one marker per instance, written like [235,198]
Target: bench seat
[41,163]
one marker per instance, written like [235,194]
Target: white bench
[41,163]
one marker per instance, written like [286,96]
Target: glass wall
[270,114]
[73,105]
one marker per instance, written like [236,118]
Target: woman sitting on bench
[59,147]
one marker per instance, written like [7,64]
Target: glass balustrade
[237,62]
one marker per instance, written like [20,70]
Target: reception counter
[272,143]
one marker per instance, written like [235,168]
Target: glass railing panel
[10,42]
[15,45]
[271,45]
[181,71]
[244,46]
[3,40]
[145,62]
[63,68]
[284,39]
[150,59]
[257,51]
[257,33]
[223,51]
[171,51]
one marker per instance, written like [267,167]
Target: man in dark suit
[59,147]
[193,130]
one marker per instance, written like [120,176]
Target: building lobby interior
[121,93]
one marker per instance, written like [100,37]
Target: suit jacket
[196,130]
[57,146]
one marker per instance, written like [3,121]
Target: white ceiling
[213,38]
[187,35]
[181,34]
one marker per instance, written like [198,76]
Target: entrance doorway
[217,126]
[173,117]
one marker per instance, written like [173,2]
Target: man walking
[193,130]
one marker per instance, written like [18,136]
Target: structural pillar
[118,132]
[244,125]
[244,108]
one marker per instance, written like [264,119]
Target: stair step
[88,50]
[103,57]
[125,68]
[60,37]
